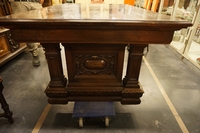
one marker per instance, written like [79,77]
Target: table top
[110,12]
[92,23]
[71,14]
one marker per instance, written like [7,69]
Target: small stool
[7,113]
[93,109]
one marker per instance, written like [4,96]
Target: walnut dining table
[94,37]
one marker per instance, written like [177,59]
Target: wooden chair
[154,6]
[7,113]
[151,5]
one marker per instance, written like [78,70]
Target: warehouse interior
[169,75]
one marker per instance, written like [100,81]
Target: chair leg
[7,113]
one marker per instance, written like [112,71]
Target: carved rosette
[95,64]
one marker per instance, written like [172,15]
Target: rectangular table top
[109,14]
[92,23]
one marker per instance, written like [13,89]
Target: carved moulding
[13,45]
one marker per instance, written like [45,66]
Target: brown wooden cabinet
[8,47]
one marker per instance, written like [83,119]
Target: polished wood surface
[76,20]
[94,37]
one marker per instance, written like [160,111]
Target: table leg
[54,61]
[56,89]
[7,113]
[133,90]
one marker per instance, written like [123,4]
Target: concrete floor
[170,104]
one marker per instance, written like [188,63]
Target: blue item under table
[93,109]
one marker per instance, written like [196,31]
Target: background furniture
[8,47]
[5,8]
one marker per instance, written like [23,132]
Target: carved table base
[94,73]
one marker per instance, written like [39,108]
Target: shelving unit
[187,41]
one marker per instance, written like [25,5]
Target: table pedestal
[94,73]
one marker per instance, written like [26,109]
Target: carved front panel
[95,64]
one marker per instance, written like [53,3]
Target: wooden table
[94,37]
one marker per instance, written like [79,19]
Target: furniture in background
[8,47]
[5,8]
